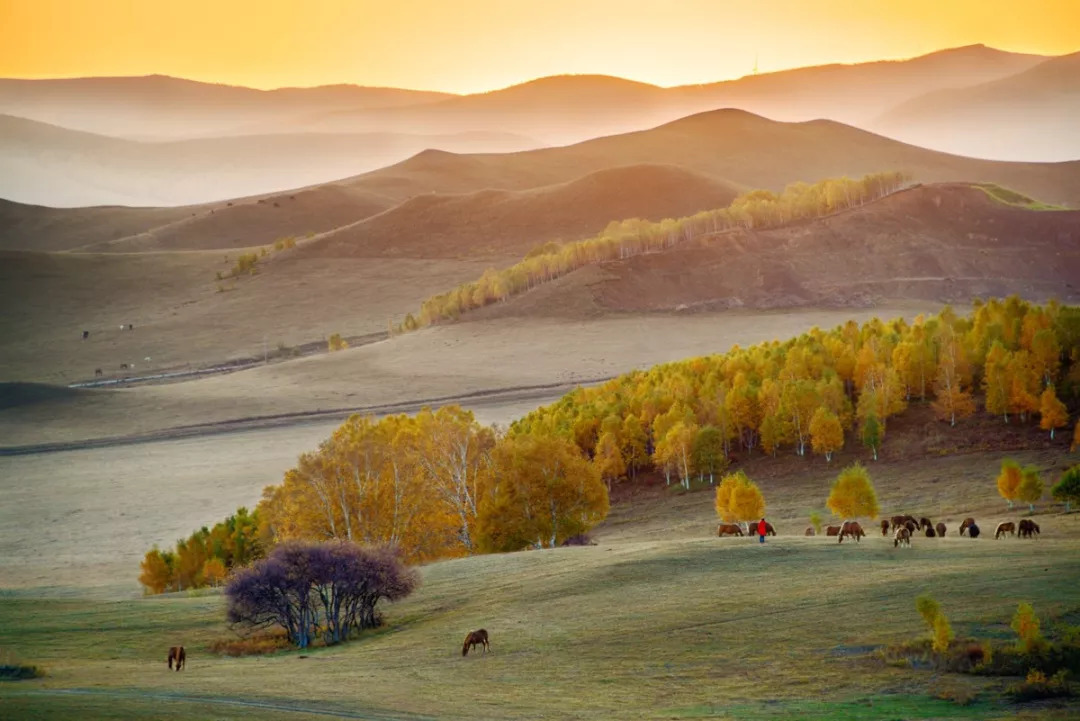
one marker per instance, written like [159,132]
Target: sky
[469,46]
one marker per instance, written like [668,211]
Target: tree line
[440,485]
[623,239]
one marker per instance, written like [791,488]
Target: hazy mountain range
[161,141]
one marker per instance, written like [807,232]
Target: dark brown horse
[1028,529]
[930,533]
[884,527]
[475,638]
[176,653]
[728,529]
[832,530]
[968,523]
[769,530]
[940,528]
[924,522]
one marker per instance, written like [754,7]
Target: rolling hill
[728,146]
[160,107]
[507,222]
[48,165]
[942,243]
[1031,115]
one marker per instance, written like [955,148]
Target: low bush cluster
[18,672]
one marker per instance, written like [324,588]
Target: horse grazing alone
[475,638]
[176,653]
[968,523]
[902,537]
[851,528]
[1007,527]
[884,527]
[1028,529]
[940,527]
[728,529]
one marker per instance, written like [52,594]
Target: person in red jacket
[761,528]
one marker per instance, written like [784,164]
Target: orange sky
[476,45]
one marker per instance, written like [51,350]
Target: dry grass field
[439,362]
[659,620]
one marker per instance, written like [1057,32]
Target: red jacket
[761,527]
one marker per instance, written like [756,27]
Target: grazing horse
[1028,529]
[810,531]
[910,526]
[896,521]
[902,537]
[968,523]
[475,638]
[728,529]
[940,528]
[930,533]
[769,530]
[85,334]
[176,653]
[851,528]
[1008,527]
[924,522]
[973,530]
[832,530]
[98,372]
[884,527]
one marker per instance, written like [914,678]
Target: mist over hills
[1028,116]
[161,107]
[730,147]
[48,165]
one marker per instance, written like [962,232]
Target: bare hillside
[506,222]
[1031,115]
[943,243]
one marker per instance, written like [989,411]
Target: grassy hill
[1025,116]
[942,242]
[506,222]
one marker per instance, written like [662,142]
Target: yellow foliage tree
[608,458]
[1052,411]
[157,571]
[1031,487]
[852,494]
[213,572]
[540,491]
[738,498]
[1008,480]
[826,434]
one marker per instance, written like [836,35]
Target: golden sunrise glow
[477,45]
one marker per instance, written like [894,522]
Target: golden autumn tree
[738,498]
[1008,480]
[852,494]
[634,442]
[1031,487]
[539,491]
[157,571]
[1052,412]
[952,402]
[675,450]
[826,434]
[608,458]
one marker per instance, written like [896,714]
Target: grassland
[659,620]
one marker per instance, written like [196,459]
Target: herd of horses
[902,527]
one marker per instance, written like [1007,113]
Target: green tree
[852,494]
[871,433]
[1067,489]
[708,452]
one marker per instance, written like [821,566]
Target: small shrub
[1038,686]
[18,672]
[1026,625]
[579,539]
[337,343]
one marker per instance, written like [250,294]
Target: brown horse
[832,530]
[769,530]
[940,527]
[176,653]
[1008,527]
[911,526]
[475,638]
[728,529]
[968,523]
[851,528]
[924,522]
[810,531]
[902,537]
[930,533]
[896,521]
[884,527]
[1028,529]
